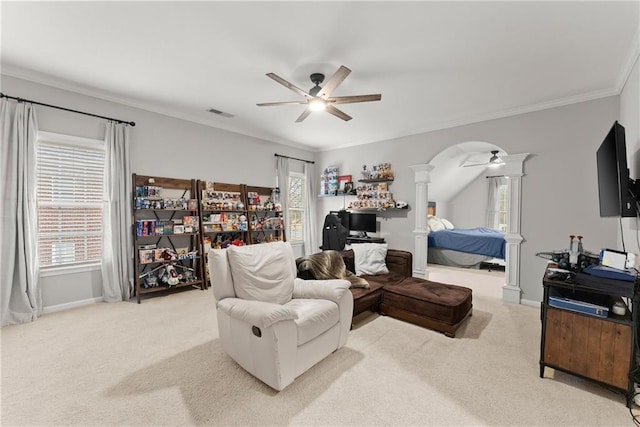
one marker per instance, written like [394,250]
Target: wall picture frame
[431,208]
[343,180]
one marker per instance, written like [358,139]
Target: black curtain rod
[2,95]
[294,158]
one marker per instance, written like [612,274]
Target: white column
[511,291]
[513,171]
[420,231]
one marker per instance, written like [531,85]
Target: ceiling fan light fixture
[316,78]
[495,161]
[319,98]
[317,104]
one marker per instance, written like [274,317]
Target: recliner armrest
[258,313]
[332,290]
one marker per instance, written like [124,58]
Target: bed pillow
[369,258]
[447,224]
[435,224]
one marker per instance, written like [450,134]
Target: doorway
[448,172]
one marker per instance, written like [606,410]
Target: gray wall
[161,146]
[468,209]
[630,118]
[559,189]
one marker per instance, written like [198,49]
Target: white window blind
[296,208]
[69,183]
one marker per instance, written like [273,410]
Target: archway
[512,168]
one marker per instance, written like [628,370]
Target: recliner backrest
[263,272]
[220,274]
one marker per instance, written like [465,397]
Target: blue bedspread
[480,240]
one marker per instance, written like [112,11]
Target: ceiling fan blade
[271,104]
[304,115]
[338,113]
[354,98]
[291,86]
[334,81]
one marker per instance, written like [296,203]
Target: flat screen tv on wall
[614,184]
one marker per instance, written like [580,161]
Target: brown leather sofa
[438,306]
[400,265]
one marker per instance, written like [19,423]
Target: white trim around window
[69,269]
[70,140]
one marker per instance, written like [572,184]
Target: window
[502,206]
[69,181]
[296,208]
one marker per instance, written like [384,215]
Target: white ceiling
[436,64]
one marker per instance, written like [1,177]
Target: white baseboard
[530,303]
[70,305]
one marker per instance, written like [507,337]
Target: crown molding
[630,62]
[501,114]
[58,83]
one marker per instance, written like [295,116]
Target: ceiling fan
[494,160]
[319,98]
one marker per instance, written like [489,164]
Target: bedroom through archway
[474,197]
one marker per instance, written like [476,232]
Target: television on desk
[616,192]
[362,223]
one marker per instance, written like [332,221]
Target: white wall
[559,189]
[161,146]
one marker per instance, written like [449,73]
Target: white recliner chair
[273,324]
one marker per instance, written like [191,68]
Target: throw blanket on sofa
[329,265]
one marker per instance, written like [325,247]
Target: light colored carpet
[160,363]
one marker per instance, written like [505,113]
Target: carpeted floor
[160,363]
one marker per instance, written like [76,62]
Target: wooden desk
[353,240]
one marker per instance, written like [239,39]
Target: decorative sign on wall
[329,181]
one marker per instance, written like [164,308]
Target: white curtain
[282,174]
[310,224]
[21,299]
[492,200]
[117,251]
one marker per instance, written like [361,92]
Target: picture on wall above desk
[329,181]
[345,184]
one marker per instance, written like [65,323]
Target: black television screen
[362,222]
[613,175]
[344,218]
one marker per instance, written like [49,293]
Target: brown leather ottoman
[433,305]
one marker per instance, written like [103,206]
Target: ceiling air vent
[220,113]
